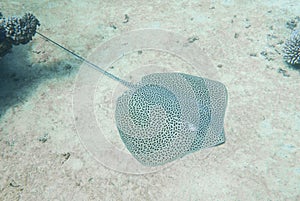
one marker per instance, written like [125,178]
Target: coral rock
[21,30]
[292,49]
[15,31]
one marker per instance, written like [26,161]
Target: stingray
[166,116]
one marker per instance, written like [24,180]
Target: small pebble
[283,72]
[126,19]
[291,24]
[193,39]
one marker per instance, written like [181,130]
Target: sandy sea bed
[42,158]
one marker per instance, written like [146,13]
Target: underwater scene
[150,100]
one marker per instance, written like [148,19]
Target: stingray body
[167,115]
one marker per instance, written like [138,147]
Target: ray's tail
[92,65]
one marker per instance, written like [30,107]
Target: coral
[291,49]
[5,47]
[2,28]
[16,30]
[21,30]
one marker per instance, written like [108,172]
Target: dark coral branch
[16,30]
[291,49]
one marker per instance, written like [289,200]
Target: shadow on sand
[19,77]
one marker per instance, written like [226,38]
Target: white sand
[260,159]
